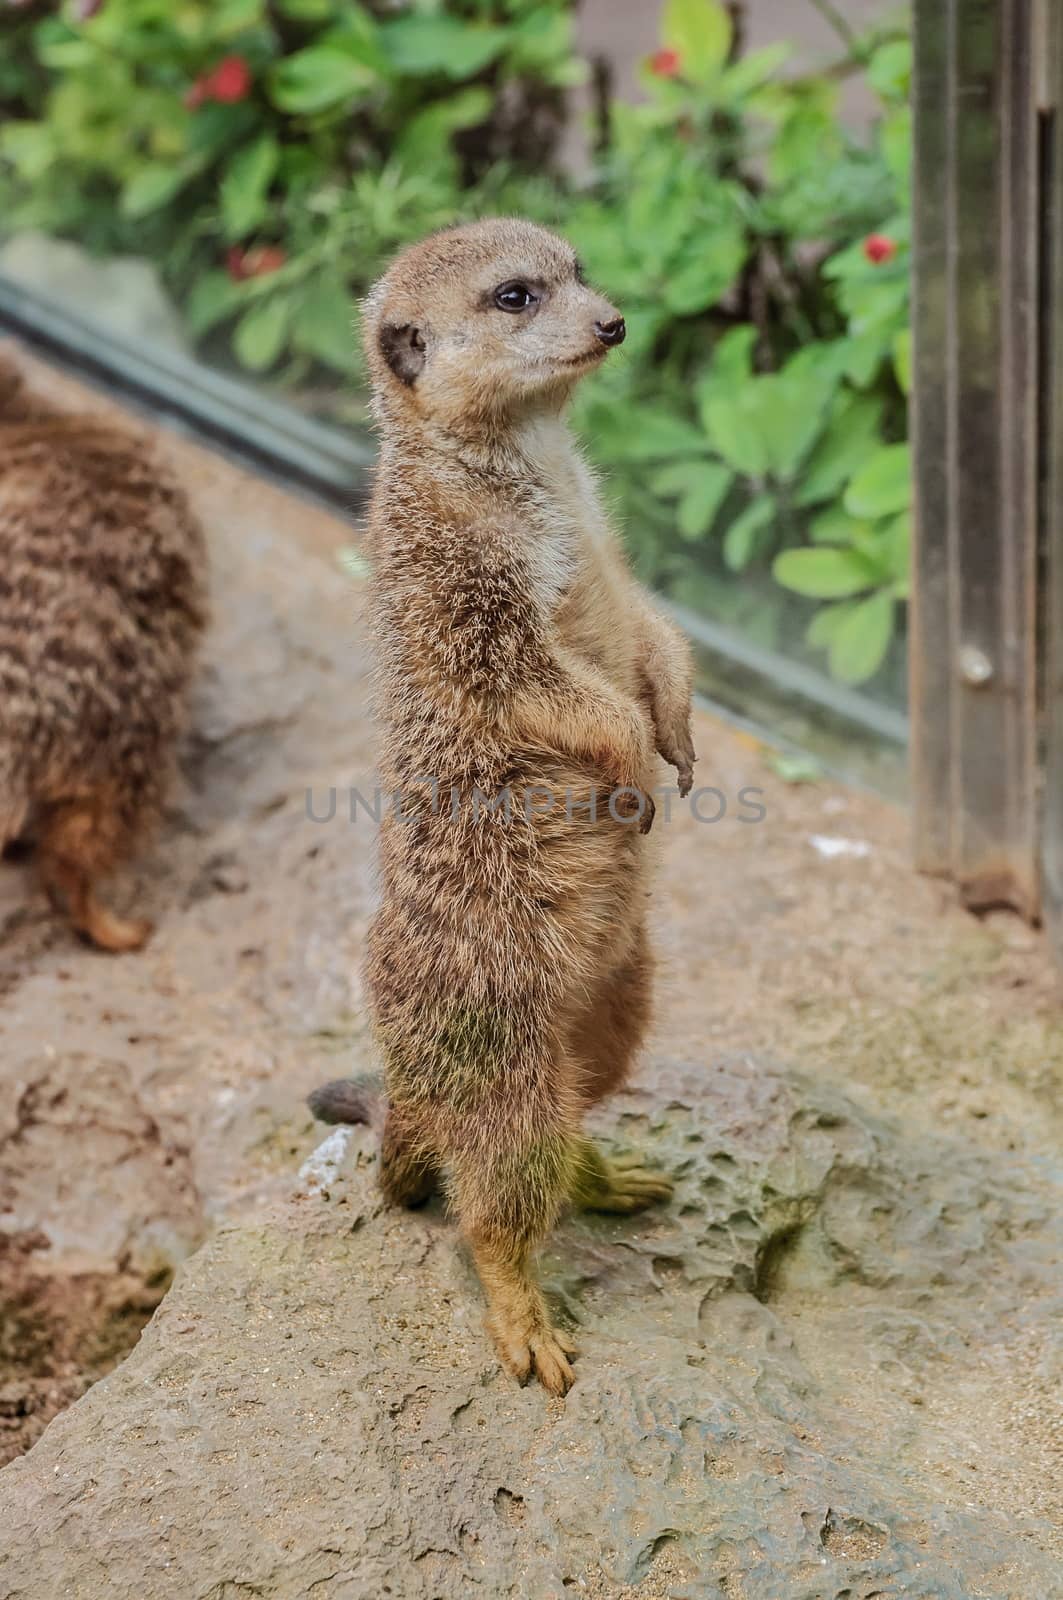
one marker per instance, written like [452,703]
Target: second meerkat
[508,967]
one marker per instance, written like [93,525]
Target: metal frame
[977,377]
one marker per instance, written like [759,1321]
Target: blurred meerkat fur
[508,967]
[102,605]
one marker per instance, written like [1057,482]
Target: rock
[122,294]
[97,1207]
[314,1408]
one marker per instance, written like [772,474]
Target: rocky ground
[830,1369]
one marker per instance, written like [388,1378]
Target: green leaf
[29,146]
[889,72]
[704,269]
[882,485]
[703,498]
[864,354]
[307,10]
[827,573]
[675,479]
[851,437]
[324,323]
[246,184]
[792,413]
[836,526]
[741,539]
[902,359]
[422,45]
[860,641]
[661,434]
[214,296]
[317,78]
[260,333]
[896,548]
[235,16]
[152,187]
[731,367]
[427,135]
[732,358]
[826,622]
[733,426]
[701,32]
[754,69]
[896,137]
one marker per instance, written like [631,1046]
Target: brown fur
[508,966]
[102,602]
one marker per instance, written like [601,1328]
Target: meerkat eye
[515,297]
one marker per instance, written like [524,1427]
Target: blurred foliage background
[269,157]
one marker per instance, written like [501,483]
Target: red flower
[665,63]
[879,247]
[258,262]
[229,82]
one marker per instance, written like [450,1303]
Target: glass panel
[220,180]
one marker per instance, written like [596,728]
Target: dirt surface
[832,1368]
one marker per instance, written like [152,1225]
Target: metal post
[976,415]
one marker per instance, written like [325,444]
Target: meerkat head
[482,324]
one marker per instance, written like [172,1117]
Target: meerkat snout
[612,332]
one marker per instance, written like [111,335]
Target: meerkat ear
[402,346]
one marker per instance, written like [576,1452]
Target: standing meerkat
[102,603]
[518,660]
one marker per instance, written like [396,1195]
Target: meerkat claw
[626,1186]
[546,1353]
[550,1359]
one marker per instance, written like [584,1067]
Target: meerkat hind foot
[546,1351]
[117,935]
[103,928]
[622,1185]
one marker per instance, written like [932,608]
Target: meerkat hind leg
[517,1318]
[408,1175]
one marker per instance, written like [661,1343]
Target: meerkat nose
[610,333]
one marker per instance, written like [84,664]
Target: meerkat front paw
[676,745]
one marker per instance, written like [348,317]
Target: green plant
[270,155]
[760,416]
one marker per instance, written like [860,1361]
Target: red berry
[665,63]
[879,247]
[266,259]
[230,81]
[258,262]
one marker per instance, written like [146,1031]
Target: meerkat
[508,968]
[102,605]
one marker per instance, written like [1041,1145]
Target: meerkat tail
[350,1100]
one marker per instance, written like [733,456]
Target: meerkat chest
[571,546]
